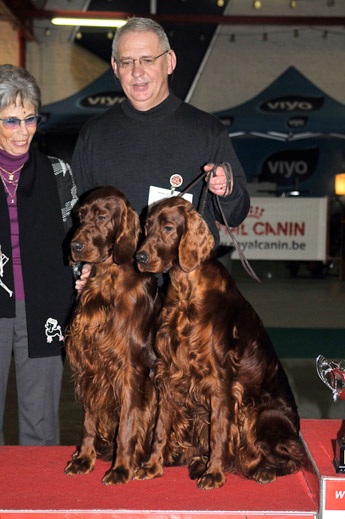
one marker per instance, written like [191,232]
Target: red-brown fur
[109,340]
[224,400]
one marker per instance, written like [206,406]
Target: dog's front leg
[153,468]
[214,476]
[83,460]
[127,437]
[134,434]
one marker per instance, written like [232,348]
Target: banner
[282,229]
[291,133]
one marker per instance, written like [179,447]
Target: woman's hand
[85,273]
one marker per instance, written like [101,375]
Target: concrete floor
[282,301]
[304,301]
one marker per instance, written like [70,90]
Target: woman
[37,194]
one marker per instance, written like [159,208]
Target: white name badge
[159,193]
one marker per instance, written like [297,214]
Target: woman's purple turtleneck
[11,163]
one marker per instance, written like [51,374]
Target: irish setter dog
[109,340]
[224,400]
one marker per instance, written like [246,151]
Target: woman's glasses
[12,122]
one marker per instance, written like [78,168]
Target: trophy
[332,375]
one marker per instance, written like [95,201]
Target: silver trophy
[332,374]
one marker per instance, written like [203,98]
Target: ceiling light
[293,3]
[88,22]
[257,4]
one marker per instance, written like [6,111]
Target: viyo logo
[284,167]
[102,100]
[297,122]
[292,104]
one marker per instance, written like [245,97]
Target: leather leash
[229,182]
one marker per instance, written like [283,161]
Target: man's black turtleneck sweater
[133,150]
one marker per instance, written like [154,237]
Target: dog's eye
[101,217]
[168,228]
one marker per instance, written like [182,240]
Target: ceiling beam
[13,11]
[194,19]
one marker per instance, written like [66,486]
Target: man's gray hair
[140,25]
[17,81]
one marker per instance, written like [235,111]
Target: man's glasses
[145,61]
[12,122]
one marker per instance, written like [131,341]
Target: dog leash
[229,181]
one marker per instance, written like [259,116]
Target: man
[153,144]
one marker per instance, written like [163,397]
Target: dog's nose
[77,246]
[142,257]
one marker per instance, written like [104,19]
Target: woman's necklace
[11,173]
[11,195]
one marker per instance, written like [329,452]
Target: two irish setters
[195,382]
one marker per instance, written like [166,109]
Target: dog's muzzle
[142,258]
[77,246]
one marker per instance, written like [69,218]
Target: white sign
[156,194]
[333,498]
[282,229]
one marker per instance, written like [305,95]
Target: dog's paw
[211,480]
[82,465]
[265,476]
[75,454]
[118,476]
[197,467]
[149,471]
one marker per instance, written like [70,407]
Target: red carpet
[33,479]
[320,437]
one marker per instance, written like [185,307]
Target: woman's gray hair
[16,81]
[140,25]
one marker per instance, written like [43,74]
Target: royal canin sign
[282,229]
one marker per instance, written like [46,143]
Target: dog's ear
[126,240]
[196,242]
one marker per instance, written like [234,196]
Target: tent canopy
[291,134]
[290,108]
[71,113]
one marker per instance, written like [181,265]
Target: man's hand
[219,185]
